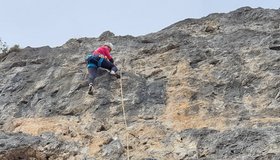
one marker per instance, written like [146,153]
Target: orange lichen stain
[96,144]
[144,131]
[176,119]
[265,120]
[37,126]
[146,138]
[65,128]
[178,93]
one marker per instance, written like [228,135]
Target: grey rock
[198,89]
[22,146]
[113,150]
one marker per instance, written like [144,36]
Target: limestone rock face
[204,88]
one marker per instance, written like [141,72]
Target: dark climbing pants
[94,63]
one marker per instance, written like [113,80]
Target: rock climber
[100,57]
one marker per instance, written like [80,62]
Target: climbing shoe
[112,72]
[90,89]
[115,74]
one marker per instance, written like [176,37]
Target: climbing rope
[124,116]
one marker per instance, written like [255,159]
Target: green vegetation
[15,48]
[3,46]
[5,49]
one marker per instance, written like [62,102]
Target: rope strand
[124,116]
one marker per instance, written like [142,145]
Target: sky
[39,23]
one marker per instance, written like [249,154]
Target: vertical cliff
[204,88]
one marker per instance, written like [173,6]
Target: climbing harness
[94,61]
